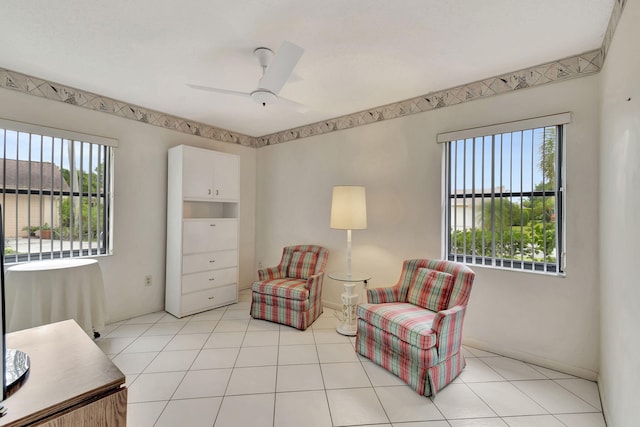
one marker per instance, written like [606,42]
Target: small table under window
[43,292]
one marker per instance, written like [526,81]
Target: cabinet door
[109,411]
[209,235]
[197,173]
[226,177]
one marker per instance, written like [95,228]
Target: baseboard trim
[533,359]
[332,305]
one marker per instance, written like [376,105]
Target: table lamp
[349,212]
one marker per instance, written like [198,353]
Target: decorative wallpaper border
[575,66]
[57,92]
[568,68]
[616,13]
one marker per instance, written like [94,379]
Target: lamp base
[347,330]
[348,326]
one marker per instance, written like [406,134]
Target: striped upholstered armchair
[291,292]
[414,328]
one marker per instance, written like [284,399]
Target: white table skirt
[43,292]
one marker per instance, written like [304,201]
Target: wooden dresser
[71,382]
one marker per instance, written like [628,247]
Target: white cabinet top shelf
[192,209]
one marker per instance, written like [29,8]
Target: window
[55,190]
[505,195]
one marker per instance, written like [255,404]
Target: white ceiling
[359,54]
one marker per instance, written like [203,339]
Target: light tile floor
[222,368]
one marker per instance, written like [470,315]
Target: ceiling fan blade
[217,90]
[281,67]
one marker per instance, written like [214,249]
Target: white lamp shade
[349,208]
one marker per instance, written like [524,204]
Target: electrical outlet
[147,280]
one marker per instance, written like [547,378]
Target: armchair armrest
[270,273]
[382,295]
[448,328]
[314,284]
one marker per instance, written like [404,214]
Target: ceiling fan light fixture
[264,97]
[264,55]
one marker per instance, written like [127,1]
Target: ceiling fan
[276,70]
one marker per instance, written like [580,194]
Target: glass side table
[349,299]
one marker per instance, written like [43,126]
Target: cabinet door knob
[209,191]
[217,193]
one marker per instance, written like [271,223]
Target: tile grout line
[576,395]
[373,387]
[324,384]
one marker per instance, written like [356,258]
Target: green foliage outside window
[89,228]
[82,217]
[533,241]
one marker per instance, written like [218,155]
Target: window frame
[449,210]
[104,188]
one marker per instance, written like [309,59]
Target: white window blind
[504,192]
[55,190]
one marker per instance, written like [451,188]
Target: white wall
[545,319]
[548,320]
[619,225]
[140,197]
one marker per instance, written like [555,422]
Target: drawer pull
[212,225]
[212,260]
[211,297]
[212,279]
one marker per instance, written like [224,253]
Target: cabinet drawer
[209,261]
[209,235]
[208,279]
[200,301]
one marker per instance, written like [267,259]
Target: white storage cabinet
[202,230]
